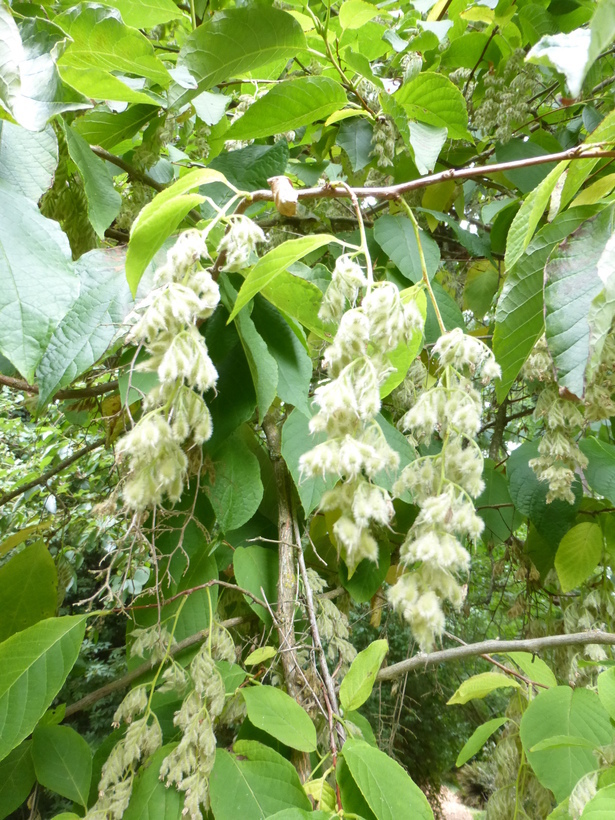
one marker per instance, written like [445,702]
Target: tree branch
[495,647]
[215,582]
[44,478]
[126,680]
[132,172]
[70,393]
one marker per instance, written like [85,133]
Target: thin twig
[70,393]
[214,582]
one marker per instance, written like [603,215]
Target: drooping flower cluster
[443,486]
[175,414]
[349,401]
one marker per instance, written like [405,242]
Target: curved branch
[496,647]
[69,393]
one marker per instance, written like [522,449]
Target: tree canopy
[307,378]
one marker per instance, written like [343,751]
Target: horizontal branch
[392,192]
[147,666]
[458,653]
[69,393]
[44,477]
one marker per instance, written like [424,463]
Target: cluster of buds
[175,413]
[383,142]
[443,486]
[349,401]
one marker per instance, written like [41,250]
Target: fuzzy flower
[240,242]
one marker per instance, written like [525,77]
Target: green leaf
[571,284]
[256,569]
[366,578]
[386,787]
[109,129]
[249,168]
[145,13]
[100,40]
[100,85]
[16,778]
[150,798]
[449,311]
[359,681]
[606,690]
[479,686]
[254,783]
[104,202]
[600,471]
[481,285]
[33,249]
[160,217]
[290,105]
[87,330]
[28,589]
[434,99]
[355,13]
[529,496]
[478,739]
[297,440]
[298,299]
[33,666]
[581,169]
[355,137]
[63,762]
[31,90]
[395,235]
[426,142]
[294,364]
[240,40]
[272,264]
[260,655]
[556,712]
[562,741]
[500,521]
[276,713]
[31,178]
[578,555]
[601,806]
[299,814]
[528,216]
[533,668]
[234,483]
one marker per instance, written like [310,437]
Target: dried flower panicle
[443,485]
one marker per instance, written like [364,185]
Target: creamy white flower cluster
[356,449]
[240,242]
[190,763]
[443,486]
[175,413]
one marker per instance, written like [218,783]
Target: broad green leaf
[22,535]
[396,237]
[500,520]
[355,137]
[89,326]
[481,285]
[272,264]
[260,655]
[426,142]
[31,89]
[28,589]
[578,555]
[479,686]
[367,577]
[519,318]
[240,40]
[581,169]
[297,440]
[33,249]
[449,311]
[255,782]
[387,788]
[249,168]
[160,217]
[234,484]
[104,202]
[434,99]
[100,40]
[256,569]
[232,675]
[34,176]
[101,85]
[109,129]
[33,666]
[533,668]
[355,13]
[606,690]
[601,806]
[290,105]
[478,739]
[602,30]
[151,799]
[529,496]
[359,681]
[276,713]
[299,814]
[562,741]
[600,471]
[63,762]
[571,284]
[351,796]
[559,711]
[405,353]
[299,299]
[567,53]
[528,216]
[145,13]
[16,778]
[294,364]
